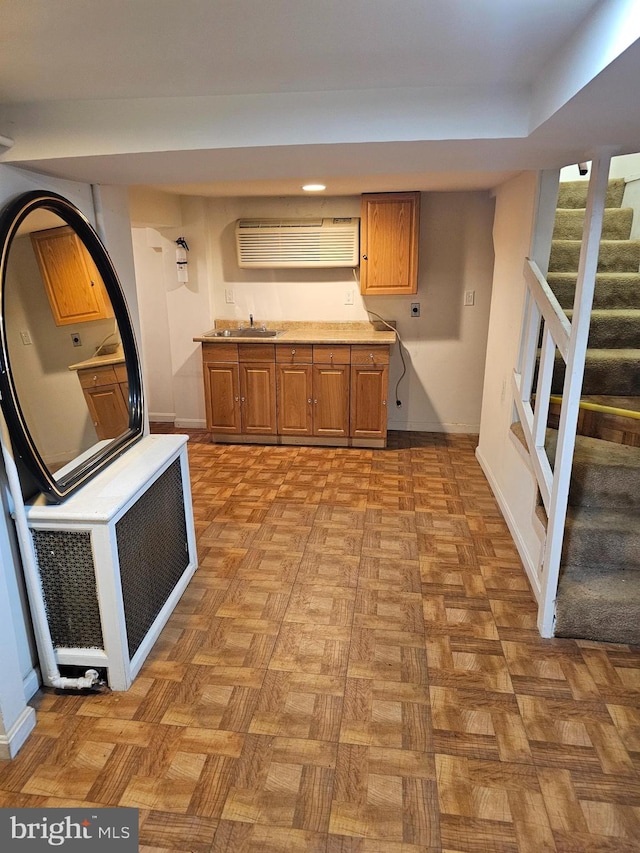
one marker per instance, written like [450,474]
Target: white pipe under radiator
[46,653]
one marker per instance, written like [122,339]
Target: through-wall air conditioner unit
[284,243]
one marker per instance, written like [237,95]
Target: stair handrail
[570,339]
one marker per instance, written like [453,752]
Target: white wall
[504,465]
[18,674]
[445,345]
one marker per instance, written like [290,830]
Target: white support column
[572,389]
[17,719]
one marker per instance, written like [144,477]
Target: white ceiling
[234,97]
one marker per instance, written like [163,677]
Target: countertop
[116,357]
[308,333]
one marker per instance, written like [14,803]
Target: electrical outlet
[76,340]
[348,297]
[470,297]
[26,338]
[228,295]
[415,309]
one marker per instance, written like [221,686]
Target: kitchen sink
[242,333]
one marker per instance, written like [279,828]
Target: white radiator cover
[302,243]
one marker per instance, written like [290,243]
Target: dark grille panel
[65,561]
[152,551]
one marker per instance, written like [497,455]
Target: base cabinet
[106,393]
[317,393]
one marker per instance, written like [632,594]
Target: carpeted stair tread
[613,256]
[613,328]
[613,290]
[574,193]
[616,223]
[592,604]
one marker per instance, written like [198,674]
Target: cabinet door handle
[242,399]
[315,401]
[237,399]
[364,258]
[384,402]
[309,400]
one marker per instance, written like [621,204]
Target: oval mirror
[69,371]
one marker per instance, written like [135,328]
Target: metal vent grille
[284,243]
[153,552]
[65,561]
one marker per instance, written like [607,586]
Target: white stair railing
[569,339]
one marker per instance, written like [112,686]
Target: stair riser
[605,378]
[614,256]
[573,194]
[616,224]
[610,292]
[614,333]
[615,550]
[604,488]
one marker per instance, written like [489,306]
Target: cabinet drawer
[219,352]
[96,376]
[376,354]
[256,352]
[294,353]
[327,354]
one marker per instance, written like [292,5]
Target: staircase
[599,590]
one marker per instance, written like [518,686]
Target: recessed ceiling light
[313,188]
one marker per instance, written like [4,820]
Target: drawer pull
[371,356]
[293,352]
[95,378]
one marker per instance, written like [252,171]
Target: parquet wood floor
[355,668]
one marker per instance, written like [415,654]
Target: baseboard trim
[190,423]
[434,426]
[530,569]
[11,742]
[31,684]
[162,417]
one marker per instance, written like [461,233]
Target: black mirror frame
[57,490]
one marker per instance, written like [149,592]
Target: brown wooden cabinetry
[389,234]
[73,285]
[320,393]
[106,392]
[331,390]
[240,388]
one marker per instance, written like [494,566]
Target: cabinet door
[222,397]
[369,388]
[331,400]
[258,398]
[108,409]
[294,392]
[73,285]
[389,243]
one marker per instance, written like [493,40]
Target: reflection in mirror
[68,366]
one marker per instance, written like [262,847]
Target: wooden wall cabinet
[318,393]
[73,285]
[389,236]
[106,392]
